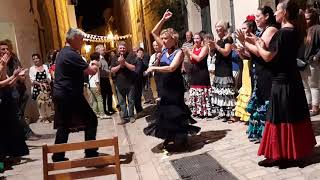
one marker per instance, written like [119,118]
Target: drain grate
[201,167]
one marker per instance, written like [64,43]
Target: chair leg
[117,156]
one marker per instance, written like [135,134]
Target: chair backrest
[113,160]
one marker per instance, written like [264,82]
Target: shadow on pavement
[314,159]
[31,147]
[2,178]
[194,142]
[147,112]
[25,160]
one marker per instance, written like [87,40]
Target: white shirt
[33,72]
[152,59]
[94,79]
[211,62]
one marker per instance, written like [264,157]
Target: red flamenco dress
[200,92]
[288,133]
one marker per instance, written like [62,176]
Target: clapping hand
[211,44]
[167,15]
[5,58]
[186,51]
[121,60]
[251,38]
[17,71]
[240,36]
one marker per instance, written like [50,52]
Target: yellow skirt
[244,94]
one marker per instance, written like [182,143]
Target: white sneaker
[104,116]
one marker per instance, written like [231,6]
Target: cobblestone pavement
[227,143]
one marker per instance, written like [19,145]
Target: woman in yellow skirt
[249,26]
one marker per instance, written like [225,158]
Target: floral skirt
[199,98]
[258,110]
[223,99]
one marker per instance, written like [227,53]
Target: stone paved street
[227,143]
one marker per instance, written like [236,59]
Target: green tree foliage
[179,18]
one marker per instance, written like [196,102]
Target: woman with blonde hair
[223,99]
[173,117]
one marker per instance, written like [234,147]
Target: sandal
[230,121]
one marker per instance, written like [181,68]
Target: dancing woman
[173,117]
[288,133]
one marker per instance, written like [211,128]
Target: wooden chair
[86,162]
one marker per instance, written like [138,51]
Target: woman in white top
[39,76]
[211,57]
[40,80]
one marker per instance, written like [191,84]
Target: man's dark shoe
[123,121]
[109,113]
[59,159]
[132,119]
[91,155]
[224,119]
[112,111]
[33,137]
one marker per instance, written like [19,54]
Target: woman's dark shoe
[284,164]
[224,119]
[59,159]
[268,163]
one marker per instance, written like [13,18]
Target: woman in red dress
[200,89]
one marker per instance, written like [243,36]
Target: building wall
[194,16]
[123,18]
[220,10]
[151,18]
[241,11]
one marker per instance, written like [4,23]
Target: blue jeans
[125,94]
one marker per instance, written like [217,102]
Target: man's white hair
[72,32]
[99,46]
